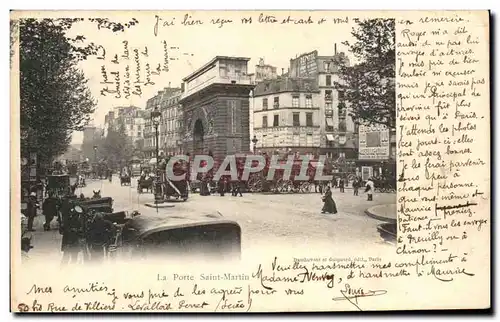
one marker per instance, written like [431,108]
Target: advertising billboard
[304,66]
[373,142]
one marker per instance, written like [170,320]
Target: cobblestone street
[294,219]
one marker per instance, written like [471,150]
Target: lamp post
[254,141]
[95,153]
[155,120]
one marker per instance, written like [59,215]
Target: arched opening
[198,137]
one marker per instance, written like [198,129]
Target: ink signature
[352,294]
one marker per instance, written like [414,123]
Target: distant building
[73,154]
[165,101]
[215,104]
[264,71]
[91,136]
[171,128]
[132,117]
[91,133]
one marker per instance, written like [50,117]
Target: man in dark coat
[70,228]
[100,235]
[50,209]
[355,186]
[31,210]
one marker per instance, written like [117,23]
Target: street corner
[387,213]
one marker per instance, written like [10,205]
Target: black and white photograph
[213,138]
[101,121]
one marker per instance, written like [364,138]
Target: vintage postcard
[250,161]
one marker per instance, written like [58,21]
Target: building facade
[326,128]
[171,129]
[132,117]
[338,130]
[287,116]
[262,72]
[215,104]
[165,101]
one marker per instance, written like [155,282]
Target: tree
[369,86]
[117,146]
[54,97]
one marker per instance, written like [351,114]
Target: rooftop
[211,62]
[285,84]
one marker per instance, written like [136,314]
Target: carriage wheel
[254,184]
[277,186]
[305,187]
[287,186]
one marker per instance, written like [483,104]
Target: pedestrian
[328,203]
[100,235]
[50,209]
[31,210]
[69,229]
[222,186]
[369,189]
[341,184]
[355,186]
[334,182]
[236,188]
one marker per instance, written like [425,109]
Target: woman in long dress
[328,203]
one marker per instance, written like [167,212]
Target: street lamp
[95,153]
[155,120]
[254,141]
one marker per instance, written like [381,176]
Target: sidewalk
[386,213]
[46,244]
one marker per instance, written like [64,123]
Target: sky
[194,45]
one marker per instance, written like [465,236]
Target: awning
[152,161]
[330,137]
[329,122]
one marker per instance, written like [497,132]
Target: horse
[97,194]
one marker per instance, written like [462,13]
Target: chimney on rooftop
[335,49]
[169,84]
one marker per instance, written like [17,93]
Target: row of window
[170,113]
[296,120]
[296,140]
[295,102]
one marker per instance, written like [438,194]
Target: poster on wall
[366,173]
[373,142]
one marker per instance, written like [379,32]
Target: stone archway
[198,137]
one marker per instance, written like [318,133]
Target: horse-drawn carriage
[59,185]
[159,238]
[125,180]
[176,188]
[145,182]
[385,184]
[97,203]
[279,183]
